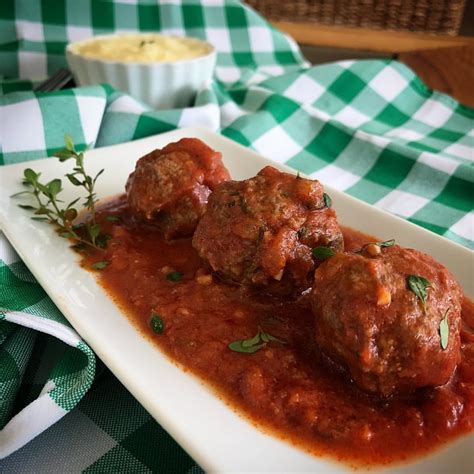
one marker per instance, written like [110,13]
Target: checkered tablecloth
[370,128]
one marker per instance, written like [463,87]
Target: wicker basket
[428,16]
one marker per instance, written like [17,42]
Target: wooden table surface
[444,63]
[449,70]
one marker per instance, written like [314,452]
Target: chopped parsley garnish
[100,265]
[386,243]
[174,276]
[156,323]
[419,285]
[323,252]
[255,343]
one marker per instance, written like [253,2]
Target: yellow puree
[143,48]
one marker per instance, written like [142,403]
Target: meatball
[261,231]
[382,329]
[170,187]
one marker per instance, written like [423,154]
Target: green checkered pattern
[370,128]
[33,34]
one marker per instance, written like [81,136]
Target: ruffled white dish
[162,85]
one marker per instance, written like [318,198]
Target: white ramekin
[162,85]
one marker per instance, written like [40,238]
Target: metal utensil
[56,82]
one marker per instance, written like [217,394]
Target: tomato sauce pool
[285,388]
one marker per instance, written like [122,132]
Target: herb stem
[49,207]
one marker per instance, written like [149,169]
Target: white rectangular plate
[214,435]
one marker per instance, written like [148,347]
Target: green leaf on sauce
[113,218]
[327,200]
[444,331]
[252,341]
[255,343]
[99,265]
[419,285]
[174,276]
[386,243]
[156,323]
[323,252]
[269,338]
[237,346]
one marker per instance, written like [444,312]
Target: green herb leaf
[174,276]
[80,161]
[419,285]
[100,265]
[101,241]
[97,175]
[73,202]
[20,193]
[444,331]
[255,343]
[237,346]
[73,180]
[94,231]
[156,323]
[386,243]
[30,175]
[323,252]
[25,206]
[112,218]
[269,338]
[327,200]
[54,187]
[68,141]
[44,189]
[39,219]
[64,155]
[42,211]
[252,341]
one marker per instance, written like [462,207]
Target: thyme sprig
[49,208]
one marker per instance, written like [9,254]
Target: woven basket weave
[428,16]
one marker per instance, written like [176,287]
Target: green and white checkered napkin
[370,128]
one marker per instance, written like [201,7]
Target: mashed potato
[147,48]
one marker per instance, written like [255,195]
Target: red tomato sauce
[288,389]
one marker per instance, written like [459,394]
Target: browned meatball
[261,231]
[370,320]
[170,187]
